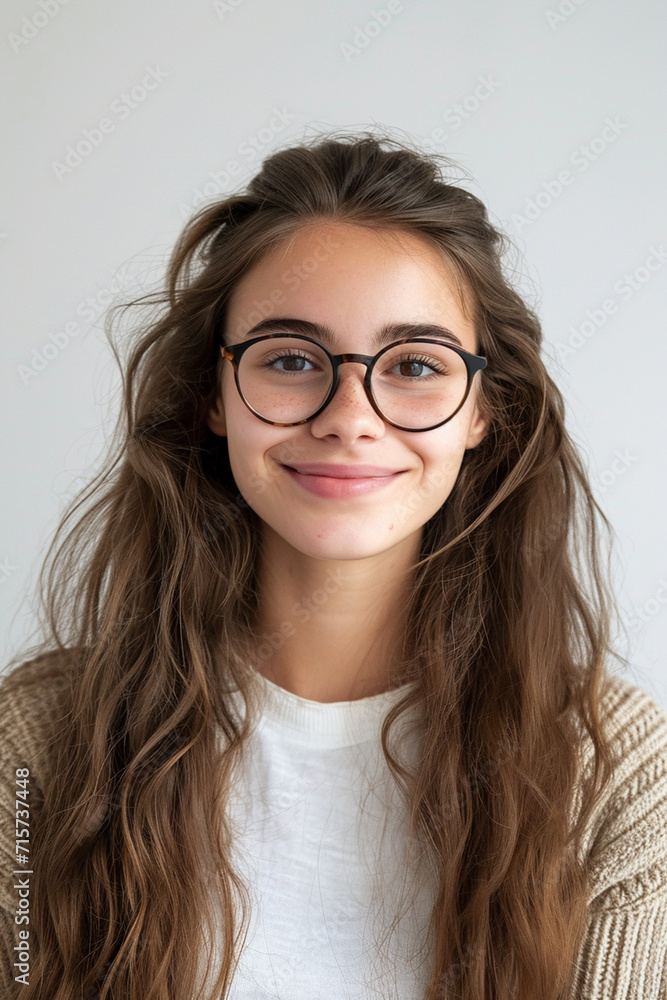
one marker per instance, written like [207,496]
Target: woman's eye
[415,368]
[418,368]
[293,362]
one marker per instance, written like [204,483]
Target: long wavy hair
[150,602]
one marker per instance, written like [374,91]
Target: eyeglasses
[415,384]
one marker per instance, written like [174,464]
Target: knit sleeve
[623,955]
[27,717]
[12,756]
[8,938]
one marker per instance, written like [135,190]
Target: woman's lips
[328,486]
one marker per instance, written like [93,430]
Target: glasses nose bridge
[359,359]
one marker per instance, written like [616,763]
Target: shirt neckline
[325,724]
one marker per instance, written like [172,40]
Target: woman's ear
[216,418]
[478,430]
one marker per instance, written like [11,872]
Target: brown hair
[151,599]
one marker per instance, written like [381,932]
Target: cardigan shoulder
[623,953]
[33,700]
[33,697]
[627,833]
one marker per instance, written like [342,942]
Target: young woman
[328,710]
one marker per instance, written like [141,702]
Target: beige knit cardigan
[623,955]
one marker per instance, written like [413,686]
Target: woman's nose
[349,411]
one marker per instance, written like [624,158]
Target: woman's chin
[340,545]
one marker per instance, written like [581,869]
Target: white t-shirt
[319,837]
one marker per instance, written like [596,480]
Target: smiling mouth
[341,487]
[346,473]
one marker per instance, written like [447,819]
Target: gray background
[518,93]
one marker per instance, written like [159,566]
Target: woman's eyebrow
[385,335]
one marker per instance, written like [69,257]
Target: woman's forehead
[332,251]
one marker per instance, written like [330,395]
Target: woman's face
[353,280]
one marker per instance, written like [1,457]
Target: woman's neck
[331,631]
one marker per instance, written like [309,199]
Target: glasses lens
[419,384]
[415,385]
[285,379]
